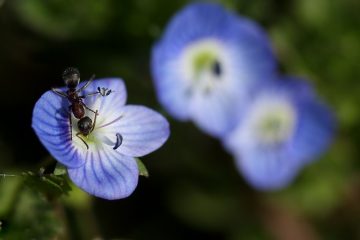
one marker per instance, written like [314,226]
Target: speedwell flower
[284,128]
[100,169]
[206,63]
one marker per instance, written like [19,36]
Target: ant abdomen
[85,125]
[78,110]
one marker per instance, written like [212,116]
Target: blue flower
[283,129]
[207,62]
[99,169]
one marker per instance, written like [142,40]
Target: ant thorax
[72,95]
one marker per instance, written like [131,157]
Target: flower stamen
[119,139]
[111,122]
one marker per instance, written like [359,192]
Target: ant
[71,77]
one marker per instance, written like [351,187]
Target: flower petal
[106,173]
[215,113]
[105,104]
[51,124]
[142,129]
[171,90]
[315,131]
[267,169]
[210,20]
[51,119]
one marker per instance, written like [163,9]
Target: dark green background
[194,190]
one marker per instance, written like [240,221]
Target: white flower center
[203,64]
[96,138]
[273,121]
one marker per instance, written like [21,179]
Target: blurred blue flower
[283,128]
[207,62]
[100,170]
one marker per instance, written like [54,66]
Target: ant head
[71,77]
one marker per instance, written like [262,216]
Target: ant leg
[70,120]
[88,107]
[61,94]
[93,126]
[87,84]
[78,135]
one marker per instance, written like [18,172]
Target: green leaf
[60,169]
[142,168]
[49,184]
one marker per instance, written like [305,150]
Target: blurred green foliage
[64,19]
[27,214]
[194,190]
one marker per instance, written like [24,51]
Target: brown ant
[71,77]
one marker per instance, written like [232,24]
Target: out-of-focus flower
[284,128]
[207,62]
[100,170]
